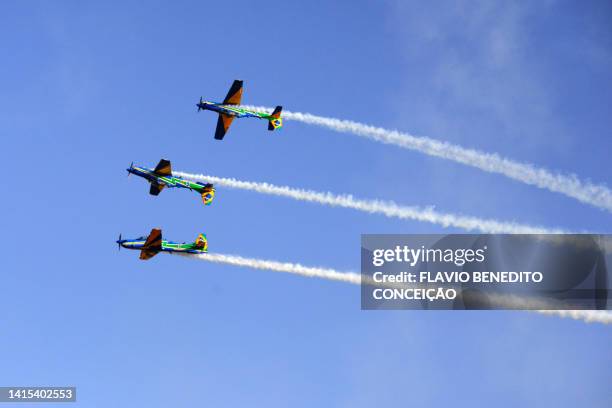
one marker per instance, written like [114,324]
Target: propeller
[131,167]
[119,242]
[199,105]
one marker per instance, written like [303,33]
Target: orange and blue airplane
[229,109]
[161,176]
[153,244]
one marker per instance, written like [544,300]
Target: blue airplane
[153,244]
[161,176]
[229,109]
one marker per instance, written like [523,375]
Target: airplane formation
[161,176]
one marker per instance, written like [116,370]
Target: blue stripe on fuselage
[220,108]
[150,175]
[142,172]
[138,244]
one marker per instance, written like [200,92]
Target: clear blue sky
[89,88]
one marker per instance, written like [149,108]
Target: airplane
[153,244]
[161,177]
[229,109]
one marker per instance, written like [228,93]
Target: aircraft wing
[235,94]
[154,240]
[156,188]
[223,124]
[163,168]
[147,254]
[152,245]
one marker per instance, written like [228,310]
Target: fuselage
[205,190]
[167,246]
[232,110]
[168,181]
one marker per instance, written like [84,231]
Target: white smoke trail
[387,208]
[597,195]
[311,272]
[589,316]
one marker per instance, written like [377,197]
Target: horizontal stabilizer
[277,112]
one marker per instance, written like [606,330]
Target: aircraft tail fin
[275,121]
[208,193]
[201,243]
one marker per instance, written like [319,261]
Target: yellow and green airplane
[154,244]
[229,109]
[161,176]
